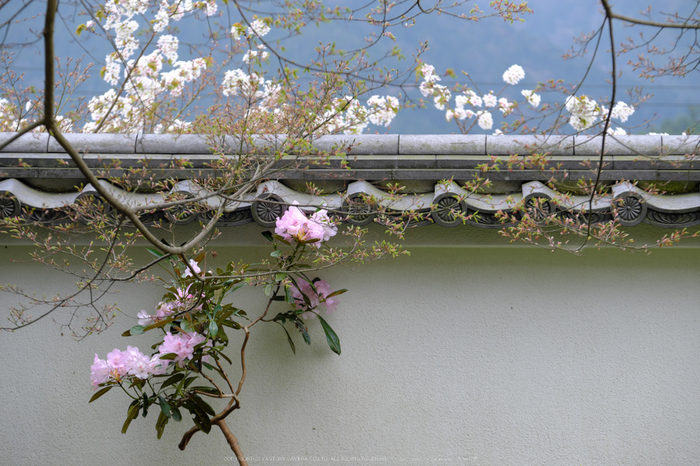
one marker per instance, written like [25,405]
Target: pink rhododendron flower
[181,344]
[295,225]
[195,267]
[315,299]
[145,319]
[120,364]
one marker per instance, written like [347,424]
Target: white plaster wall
[452,356]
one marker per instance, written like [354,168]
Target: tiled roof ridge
[429,159]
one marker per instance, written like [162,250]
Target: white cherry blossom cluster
[429,87]
[532,98]
[382,110]
[514,75]
[585,113]
[621,111]
[468,98]
[351,117]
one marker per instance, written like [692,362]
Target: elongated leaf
[203,388]
[276,253]
[331,337]
[160,323]
[177,417]
[188,381]
[289,338]
[135,330]
[303,329]
[336,293]
[213,329]
[100,393]
[173,379]
[202,421]
[268,236]
[204,405]
[131,414]
[288,296]
[222,334]
[161,423]
[145,405]
[155,252]
[164,406]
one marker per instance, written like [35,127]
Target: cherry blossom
[514,74]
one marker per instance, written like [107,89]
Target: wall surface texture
[476,356]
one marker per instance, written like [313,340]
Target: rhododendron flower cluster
[120,364]
[181,344]
[294,224]
[317,296]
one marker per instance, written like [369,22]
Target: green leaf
[288,296]
[203,388]
[276,253]
[186,327]
[331,337]
[100,393]
[155,252]
[336,293]
[145,405]
[135,330]
[164,406]
[173,379]
[268,236]
[131,414]
[160,424]
[203,405]
[213,329]
[177,417]
[202,421]
[168,356]
[298,323]
[289,338]
[188,381]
